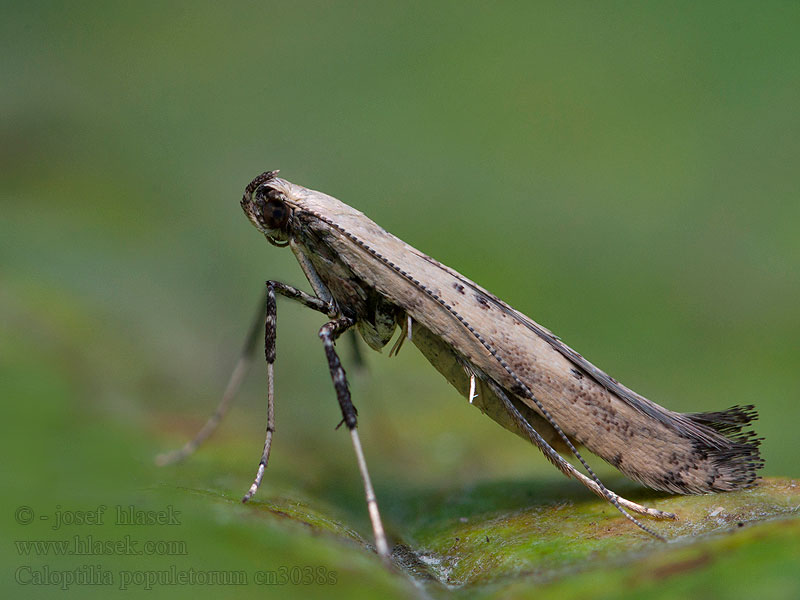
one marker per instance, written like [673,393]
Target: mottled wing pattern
[684,453]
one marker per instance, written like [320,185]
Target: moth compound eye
[275,214]
[274,211]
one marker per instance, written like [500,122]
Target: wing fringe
[735,453]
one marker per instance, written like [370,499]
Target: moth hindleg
[270,335]
[328,333]
[564,466]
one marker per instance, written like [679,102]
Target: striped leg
[269,353]
[565,467]
[328,333]
[270,334]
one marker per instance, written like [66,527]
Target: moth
[507,365]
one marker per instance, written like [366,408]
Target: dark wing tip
[736,453]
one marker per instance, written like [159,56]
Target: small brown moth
[510,367]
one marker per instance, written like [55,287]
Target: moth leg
[270,334]
[240,370]
[405,333]
[611,497]
[235,381]
[269,353]
[313,302]
[320,290]
[328,333]
[564,466]
[400,339]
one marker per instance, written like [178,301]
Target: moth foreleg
[235,381]
[270,335]
[313,302]
[269,353]
[328,334]
[564,466]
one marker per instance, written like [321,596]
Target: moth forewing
[663,449]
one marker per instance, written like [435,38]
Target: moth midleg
[328,333]
[270,337]
[559,462]
[231,389]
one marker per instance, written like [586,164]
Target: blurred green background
[624,174]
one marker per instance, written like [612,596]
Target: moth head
[266,207]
